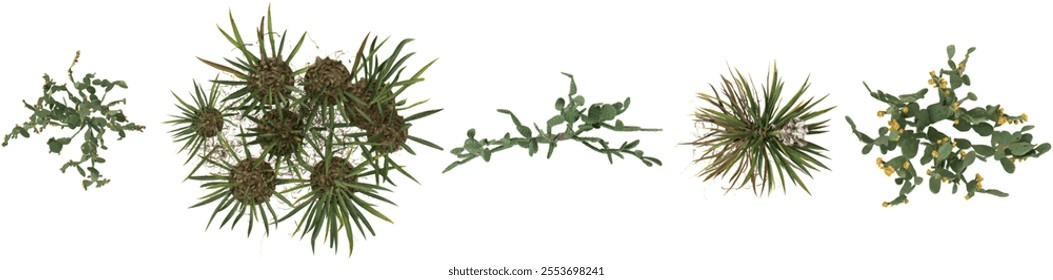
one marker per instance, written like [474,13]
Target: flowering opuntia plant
[85,112]
[754,137]
[571,111]
[913,130]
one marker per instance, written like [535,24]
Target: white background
[523,212]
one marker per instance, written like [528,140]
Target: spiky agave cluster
[316,138]
[755,139]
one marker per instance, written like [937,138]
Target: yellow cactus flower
[932,73]
[945,139]
[880,162]
[954,105]
[935,154]
[889,170]
[943,83]
[906,201]
[1002,120]
[905,110]
[956,121]
[893,125]
[928,172]
[885,204]
[931,82]
[968,196]
[961,64]
[880,113]
[906,165]
[1001,110]
[1023,117]
[961,154]
[979,178]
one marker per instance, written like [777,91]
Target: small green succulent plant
[571,111]
[84,108]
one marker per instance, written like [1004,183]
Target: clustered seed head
[283,129]
[271,80]
[793,133]
[389,134]
[209,122]
[340,170]
[253,181]
[325,80]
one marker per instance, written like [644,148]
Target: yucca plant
[201,121]
[319,138]
[752,136]
[374,106]
[266,78]
[336,198]
[246,186]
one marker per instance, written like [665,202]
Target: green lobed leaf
[554,121]
[994,192]
[1019,149]
[1008,165]
[1042,149]
[938,112]
[934,184]
[984,150]
[963,126]
[532,147]
[984,129]
[944,151]
[968,160]
[910,146]
[922,119]
[525,131]
[926,157]
[1000,138]
[55,145]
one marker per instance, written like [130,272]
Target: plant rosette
[750,135]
